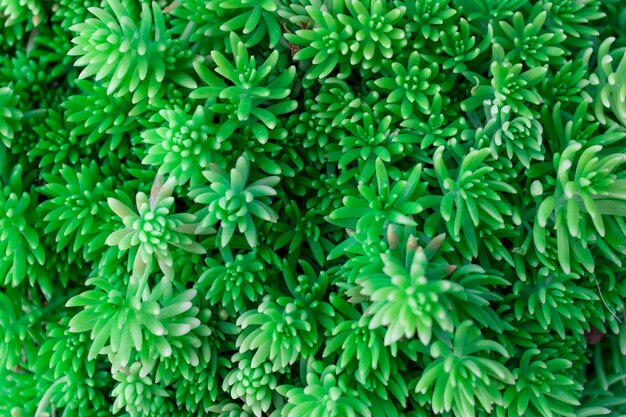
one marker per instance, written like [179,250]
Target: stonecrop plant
[312,208]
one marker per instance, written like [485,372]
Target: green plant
[244,98]
[473,198]
[375,35]
[185,146]
[10,121]
[19,241]
[429,18]
[130,57]
[410,86]
[525,42]
[460,377]
[232,202]
[102,117]
[76,208]
[253,384]
[149,233]
[579,204]
[326,44]
[325,208]
[542,387]
[327,393]
[233,280]
[609,86]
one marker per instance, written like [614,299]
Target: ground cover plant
[325,208]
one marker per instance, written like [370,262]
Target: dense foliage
[325,208]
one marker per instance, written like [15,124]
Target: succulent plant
[11,116]
[326,208]
[185,146]
[131,57]
[150,232]
[232,202]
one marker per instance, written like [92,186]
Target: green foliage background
[325,208]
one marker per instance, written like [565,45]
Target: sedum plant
[587,195]
[325,208]
[609,85]
[410,294]
[537,387]
[20,243]
[429,19]
[232,202]
[130,56]
[474,198]
[11,115]
[245,90]
[326,393]
[148,234]
[410,87]
[233,280]
[253,384]
[376,29]
[525,42]
[77,209]
[187,142]
[102,117]
[461,377]
[325,42]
